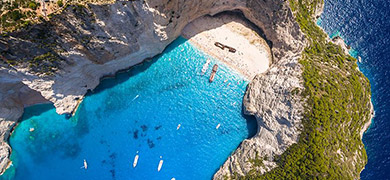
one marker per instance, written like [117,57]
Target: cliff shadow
[251,124]
[122,76]
[36,110]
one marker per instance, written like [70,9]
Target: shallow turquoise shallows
[139,110]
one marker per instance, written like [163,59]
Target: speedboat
[85,164]
[205,66]
[160,164]
[135,160]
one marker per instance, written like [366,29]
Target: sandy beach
[253,54]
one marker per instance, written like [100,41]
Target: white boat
[178,127]
[85,164]
[135,97]
[218,126]
[160,164]
[205,66]
[360,59]
[135,160]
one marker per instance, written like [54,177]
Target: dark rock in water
[113,156]
[159,138]
[72,150]
[144,128]
[157,127]
[103,141]
[68,116]
[143,134]
[112,171]
[135,134]
[150,143]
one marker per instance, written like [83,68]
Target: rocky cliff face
[62,59]
[271,99]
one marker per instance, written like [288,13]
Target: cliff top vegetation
[338,106]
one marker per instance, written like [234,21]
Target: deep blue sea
[365,25]
[139,110]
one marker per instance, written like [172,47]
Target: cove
[139,110]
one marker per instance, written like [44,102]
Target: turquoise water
[139,110]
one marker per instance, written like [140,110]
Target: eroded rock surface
[89,43]
[271,99]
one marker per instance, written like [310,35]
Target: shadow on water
[251,121]
[251,124]
[124,75]
[36,110]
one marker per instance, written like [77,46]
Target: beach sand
[253,54]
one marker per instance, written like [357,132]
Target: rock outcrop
[89,43]
[14,96]
[270,98]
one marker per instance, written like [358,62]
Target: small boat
[205,66]
[135,97]
[32,129]
[360,59]
[178,127]
[232,50]
[220,45]
[225,81]
[85,164]
[160,164]
[218,126]
[213,72]
[135,160]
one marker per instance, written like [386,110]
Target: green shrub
[33,5]
[60,3]
[16,15]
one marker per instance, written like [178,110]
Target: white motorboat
[135,160]
[160,164]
